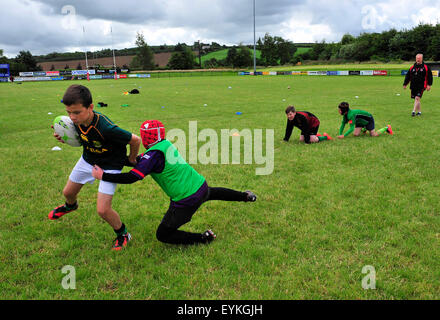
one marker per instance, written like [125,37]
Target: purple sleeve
[152,161]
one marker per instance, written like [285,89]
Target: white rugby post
[85,45]
[113,49]
[255,55]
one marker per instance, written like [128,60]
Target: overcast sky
[45,26]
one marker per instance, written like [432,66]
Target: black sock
[122,230]
[70,206]
[173,236]
[226,194]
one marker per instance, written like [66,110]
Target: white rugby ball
[65,128]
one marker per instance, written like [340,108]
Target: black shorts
[175,217]
[369,126]
[178,215]
[312,132]
[417,92]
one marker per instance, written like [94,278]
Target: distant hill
[305,45]
[160,59]
[222,54]
[301,50]
[162,54]
[105,53]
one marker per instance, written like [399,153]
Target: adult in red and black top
[307,122]
[420,76]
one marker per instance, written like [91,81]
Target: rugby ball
[65,128]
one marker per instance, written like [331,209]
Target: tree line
[391,45]
[387,46]
[23,62]
[274,50]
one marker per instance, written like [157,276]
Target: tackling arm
[123,178]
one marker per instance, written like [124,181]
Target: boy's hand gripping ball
[65,128]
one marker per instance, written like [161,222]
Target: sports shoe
[60,211]
[208,236]
[251,197]
[413,114]
[121,241]
[419,113]
[328,137]
[389,130]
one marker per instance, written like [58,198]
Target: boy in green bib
[360,121]
[185,187]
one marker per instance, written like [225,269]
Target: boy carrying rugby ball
[104,144]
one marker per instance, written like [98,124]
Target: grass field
[222,54]
[302,50]
[327,210]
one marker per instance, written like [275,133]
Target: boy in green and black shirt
[104,144]
[360,121]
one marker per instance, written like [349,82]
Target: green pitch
[327,211]
[222,54]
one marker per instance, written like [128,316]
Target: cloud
[298,29]
[44,26]
[359,16]
[174,13]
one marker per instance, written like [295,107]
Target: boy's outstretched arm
[152,161]
[122,178]
[351,129]
[289,129]
[341,130]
